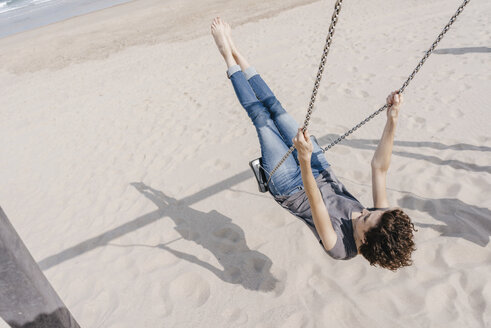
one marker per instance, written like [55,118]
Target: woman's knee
[274,106]
[258,114]
[269,101]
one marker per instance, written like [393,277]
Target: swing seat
[259,174]
[256,166]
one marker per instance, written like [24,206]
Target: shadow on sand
[218,234]
[226,240]
[462,51]
[371,144]
[213,230]
[459,219]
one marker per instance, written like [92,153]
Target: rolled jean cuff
[232,69]
[250,72]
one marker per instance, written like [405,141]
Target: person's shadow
[220,236]
[459,219]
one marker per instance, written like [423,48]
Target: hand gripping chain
[337,9]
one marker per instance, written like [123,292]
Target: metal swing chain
[401,90]
[406,83]
[334,20]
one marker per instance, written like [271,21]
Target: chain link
[334,20]
[332,27]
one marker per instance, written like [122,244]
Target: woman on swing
[305,184]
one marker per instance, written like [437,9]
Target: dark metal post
[26,296]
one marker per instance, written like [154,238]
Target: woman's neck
[354,220]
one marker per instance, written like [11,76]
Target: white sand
[124,163]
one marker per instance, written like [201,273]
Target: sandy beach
[124,163]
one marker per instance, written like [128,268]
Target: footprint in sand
[453,190]
[361,94]
[296,319]
[414,122]
[323,98]
[358,175]
[193,100]
[464,87]
[456,113]
[317,120]
[236,133]
[271,219]
[342,150]
[235,315]
[353,69]
[367,77]
[449,100]
[215,165]
[431,108]
[109,298]
[440,304]
[189,288]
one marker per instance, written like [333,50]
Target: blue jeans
[275,130]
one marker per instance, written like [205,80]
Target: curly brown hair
[390,243]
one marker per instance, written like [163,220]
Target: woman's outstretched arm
[381,158]
[322,220]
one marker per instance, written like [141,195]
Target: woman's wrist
[304,159]
[392,121]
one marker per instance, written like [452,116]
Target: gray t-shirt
[339,203]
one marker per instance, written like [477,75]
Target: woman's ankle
[230,60]
[240,60]
[235,53]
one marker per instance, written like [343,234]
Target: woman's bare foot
[218,32]
[237,56]
[228,34]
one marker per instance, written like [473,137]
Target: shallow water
[21,15]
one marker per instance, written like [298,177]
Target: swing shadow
[218,234]
[371,144]
[104,238]
[462,51]
[213,231]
